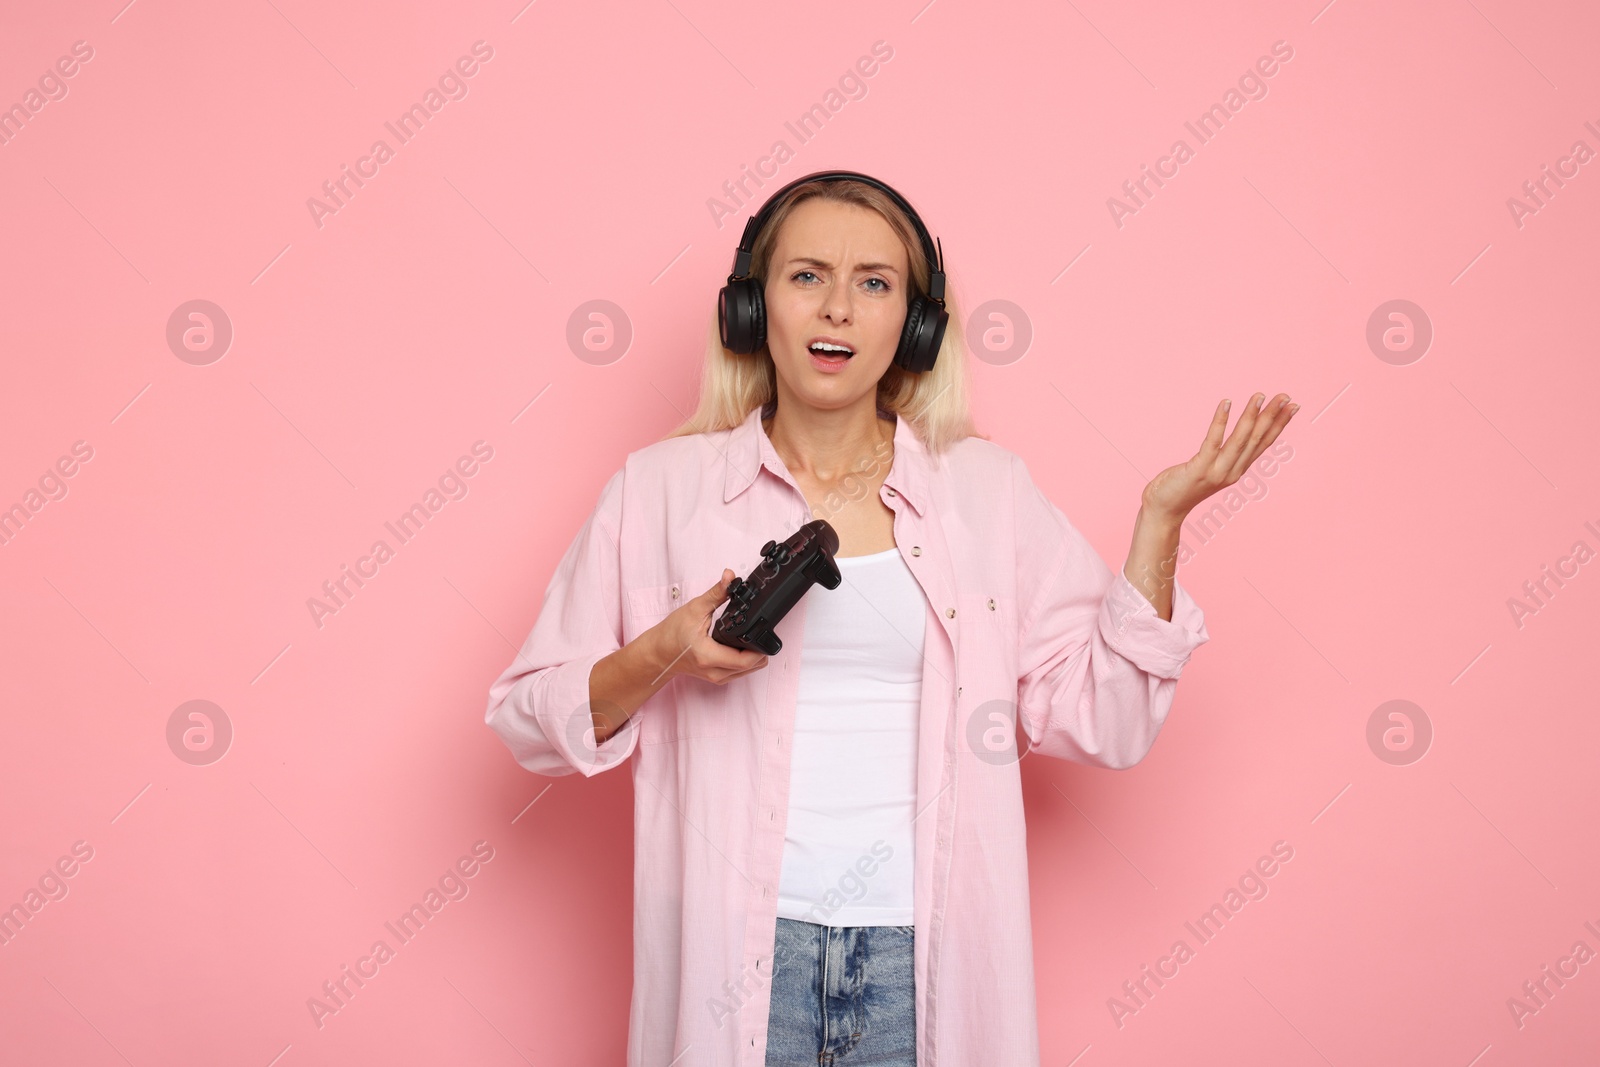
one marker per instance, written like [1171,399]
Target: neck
[826,445]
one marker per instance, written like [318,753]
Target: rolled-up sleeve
[540,705]
[1098,668]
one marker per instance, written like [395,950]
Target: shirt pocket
[651,604]
[990,630]
[986,676]
[685,707]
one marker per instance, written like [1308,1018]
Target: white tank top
[847,854]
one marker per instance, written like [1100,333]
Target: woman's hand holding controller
[681,643]
[686,646]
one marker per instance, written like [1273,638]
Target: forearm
[625,679]
[1153,557]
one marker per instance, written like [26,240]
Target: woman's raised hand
[1218,463]
[686,635]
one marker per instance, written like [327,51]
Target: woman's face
[838,274]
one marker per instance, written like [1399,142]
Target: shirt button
[674,592]
[950,613]
[916,550]
[891,492]
[991,603]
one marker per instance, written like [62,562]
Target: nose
[836,305]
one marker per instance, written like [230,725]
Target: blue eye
[884,285]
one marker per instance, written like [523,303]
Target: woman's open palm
[1218,464]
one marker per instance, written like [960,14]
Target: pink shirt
[1024,620]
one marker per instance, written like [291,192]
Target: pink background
[370,353]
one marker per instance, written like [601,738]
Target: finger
[1255,453]
[719,589]
[706,604]
[1286,411]
[747,670]
[1235,445]
[1267,423]
[1260,422]
[717,656]
[1264,432]
[725,675]
[1219,425]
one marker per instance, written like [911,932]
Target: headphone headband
[743,255]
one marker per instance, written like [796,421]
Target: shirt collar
[749,449]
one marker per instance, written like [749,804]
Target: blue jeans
[842,995]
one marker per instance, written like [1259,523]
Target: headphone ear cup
[741,316]
[758,316]
[922,336]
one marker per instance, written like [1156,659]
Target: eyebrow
[815,262]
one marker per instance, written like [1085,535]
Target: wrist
[658,656]
[1162,518]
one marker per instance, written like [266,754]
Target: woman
[830,859]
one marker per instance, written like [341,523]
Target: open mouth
[831,353]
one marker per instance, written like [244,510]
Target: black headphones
[742,314]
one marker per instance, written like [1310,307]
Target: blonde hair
[933,402]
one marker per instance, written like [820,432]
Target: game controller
[758,603]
